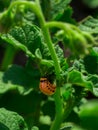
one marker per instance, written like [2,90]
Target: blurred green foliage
[22,105]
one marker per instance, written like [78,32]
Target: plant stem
[68,28]
[29,4]
[58,101]
[8,57]
[61,25]
[59,110]
[48,40]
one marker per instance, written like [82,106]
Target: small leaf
[45,120]
[12,120]
[35,128]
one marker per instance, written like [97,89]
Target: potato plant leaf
[75,77]
[11,40]
[58,7]
[27,38]
[94,79]
[17,78]
[94,51]
[90,25]
[12,120]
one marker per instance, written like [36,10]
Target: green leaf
[79,65]
[35,128]
[90,25]
[67,16]
[94,79]
[27,37]
[47,61]
[94,51]
[76,128]
[58,7]
[17,78]
[12,120]
[75,77]
[91,3]
[89,115]
[24,105]
[57,10]
[8,38]
[71,126]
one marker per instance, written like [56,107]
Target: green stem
[29,4]
[64,26]
[8,57]
[59,111]
[61,25]
[58,101]
[48,41]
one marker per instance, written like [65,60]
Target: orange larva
[46,87]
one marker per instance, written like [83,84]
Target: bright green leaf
[27,38]
[75,77]
[35,128]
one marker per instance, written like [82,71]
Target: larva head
[46,87]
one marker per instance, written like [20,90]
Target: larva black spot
[49,88]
